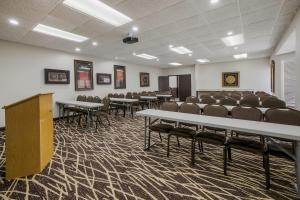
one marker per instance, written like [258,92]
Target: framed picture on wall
[231,79]
[56,76]
[119,77]
[144,79]
[83,75]
[103,79]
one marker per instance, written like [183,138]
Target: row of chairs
[237,140]
[252,101]
[236,95]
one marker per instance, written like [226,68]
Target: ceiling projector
[130,40]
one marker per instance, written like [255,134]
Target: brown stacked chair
[251,101]
[96,99]
[273,103]
[235,96]
[247,93]
[90,99]
[209,137]
[110,95]
[228,101]
[208,101]
[134,93]
[164,126]
[104,111]
[128,95]
[205,96]
[280,116]
[74,110]
[115,95]
[192,99]
[219,96]
[121,96]
[265,97]
[185,132]
[245,143]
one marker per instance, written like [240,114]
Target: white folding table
[149,99]
[164,96]
[255,127]
[88,106]
[125,102]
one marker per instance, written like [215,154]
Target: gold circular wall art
[230,79]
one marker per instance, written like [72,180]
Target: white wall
[22,75]
[182,70]
[254,74]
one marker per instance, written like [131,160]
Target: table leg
[297,169]
[88,119]
[124,109]
[145,133]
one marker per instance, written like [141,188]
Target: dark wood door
[163,83]
[184,86]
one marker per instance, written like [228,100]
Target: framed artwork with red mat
[83,75]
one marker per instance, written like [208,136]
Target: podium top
[26,99]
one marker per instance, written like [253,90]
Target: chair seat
[246,144]
[187,124]
[214,129]
[164,128]
[276,151]
[168,121]
[74,109]
[183,132]
[212,138]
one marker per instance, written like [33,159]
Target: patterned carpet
[110,163]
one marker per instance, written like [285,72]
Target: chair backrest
[90,99]
[215,110]
[251,101]
[208,101]
[189,108]
[273,103]
[169,106]
[121,96]
[110,95]
[235,96]
[129,95]
[219,96]
[192,99]
[265,97]
[96,99]
[153,94]
[135,96]
[205,96]
[283,116]
[81,98]
[134,93]
[228,101]
[246,113]
[116,95]
[106,103]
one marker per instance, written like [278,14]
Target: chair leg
[199,145]
[107,120]
[160,136]
[168,148]
[225,159]
[193,151]
[267,170]
[229,153]
[178,143]
[149,139]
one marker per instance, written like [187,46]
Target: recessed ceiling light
[190,54]
[181,50]
[203,60]
[233,40]
[235,48]
[135,28]
[59,33]
[116,57]
[95,43]
[77,49]
[170,46]
[14,22]
[157,59]
[175,64]
[134,53]
[214,1]
[240,56]
[146,56]
[99,10]
[229,33]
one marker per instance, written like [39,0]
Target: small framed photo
[83,75]
[144,79]
[231,79]
[120,77]
[56,76]
[103,79]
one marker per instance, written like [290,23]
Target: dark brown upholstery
[121,96]
[103,112]
[116,95]
[215,110]
[280,116]
[208,101]
[235,96]
[205,96]
[185,132]
[90,99]
[228,101]
[264,97]
[192,99]
[81,98]
[110,95]
[273,103]
[219,96]
[169,106]
[97,99]
[128,95]
[251,101]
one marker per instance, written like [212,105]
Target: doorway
[178,85]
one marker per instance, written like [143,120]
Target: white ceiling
[195,24]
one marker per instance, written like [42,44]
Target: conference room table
[256,127]
[125,102]
[164,96]
[88,106]
[229,108]
[149,99]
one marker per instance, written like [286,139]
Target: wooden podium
[29,135]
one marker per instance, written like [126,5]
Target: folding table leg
[297,166]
